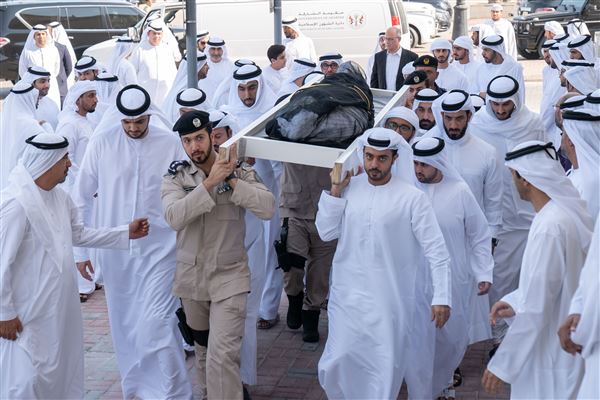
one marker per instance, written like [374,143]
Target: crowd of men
[470,218]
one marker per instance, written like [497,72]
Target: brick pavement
[287,367]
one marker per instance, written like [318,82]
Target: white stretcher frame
[253,142]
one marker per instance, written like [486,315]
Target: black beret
[415,78]
[192,121]
[425,61]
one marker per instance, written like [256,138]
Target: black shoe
[310,322]
[246,393]
[294,313]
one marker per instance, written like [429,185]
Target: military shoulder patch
[176,166]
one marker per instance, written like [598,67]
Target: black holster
[184,328]
[285,259]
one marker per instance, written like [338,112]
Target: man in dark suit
[66,66]
[388,64]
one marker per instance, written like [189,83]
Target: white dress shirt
[392,63]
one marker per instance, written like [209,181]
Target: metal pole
[461,19]
[190,43]
[277,21]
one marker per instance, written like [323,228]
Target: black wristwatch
[230,176]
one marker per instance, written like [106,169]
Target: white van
[350,27]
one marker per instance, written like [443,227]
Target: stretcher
[252,141]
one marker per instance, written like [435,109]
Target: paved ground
[287,367]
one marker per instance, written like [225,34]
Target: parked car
[443,11]
[421,21]
[536,6]
[529,29]
[350,27]
[87,22]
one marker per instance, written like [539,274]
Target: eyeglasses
[397,127]
[329,66]
[203,42]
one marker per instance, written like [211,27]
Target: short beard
[424,124]
[460,135]
[426,179]
[200,159]
[140,136]
[510,113]
[251,104]
[382,175]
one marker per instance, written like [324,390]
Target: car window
[123,17]
[85,18]
[571,5]
[63,17]
[16,23]
[41,15]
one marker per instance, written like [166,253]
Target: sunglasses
[329,66]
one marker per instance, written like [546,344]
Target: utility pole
[277,21]
[461,16]
[190,43]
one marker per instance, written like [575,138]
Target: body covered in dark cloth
[331,113]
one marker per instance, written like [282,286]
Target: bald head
[392,39]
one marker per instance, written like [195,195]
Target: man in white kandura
[583,48]
[530,357]
[552,90]
[87,68]
[297,44]
[154,62]
[295,79]
[582,127]
[120,65]
[73,124]
[330,62]
[373,276]
[504,28]
[192,99]
[46,110]
[504,123]
[170,106]
[496,63]
[453,112]
[39,50]
[423,107]
[483,174]
[107,88]
[220,67]
[466,61]
[123,164]
[580,333]
[20,106]
[403,121]
[41,329]
[449,75]
[468,240]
